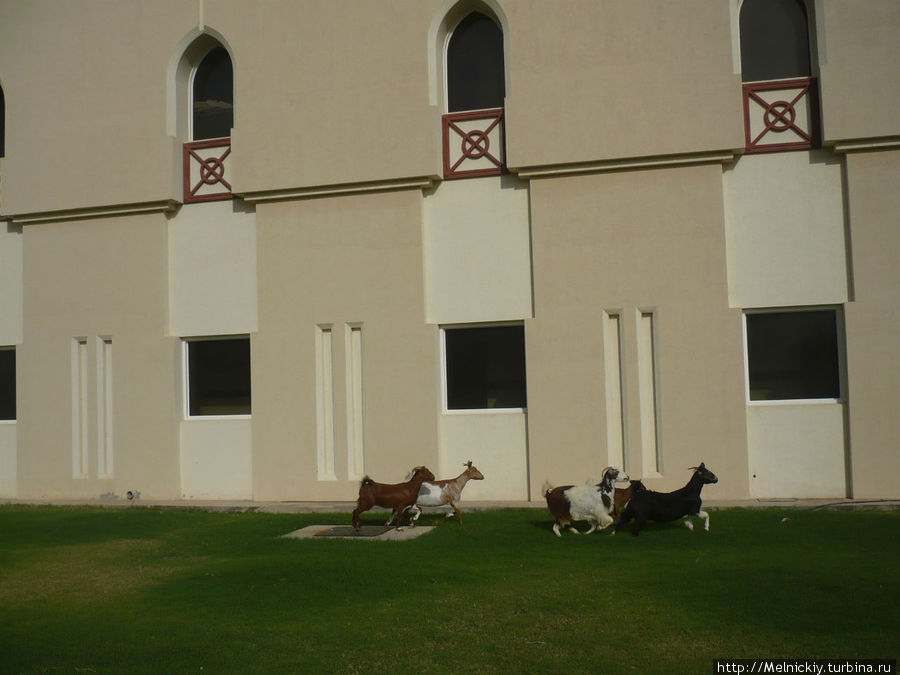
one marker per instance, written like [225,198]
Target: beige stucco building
[255,250]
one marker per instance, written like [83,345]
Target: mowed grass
[144,590]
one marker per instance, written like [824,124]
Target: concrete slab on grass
[366,533]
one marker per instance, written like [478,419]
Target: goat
[568,503]
[664,507]
[621,496]
[440,492]
[392,496]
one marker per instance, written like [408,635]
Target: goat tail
[366,481]
[546,487]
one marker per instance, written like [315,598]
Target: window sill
[795,402]
[212,418]
[485,411]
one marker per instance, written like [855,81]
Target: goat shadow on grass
[434,520]
[649,528]
[582,526]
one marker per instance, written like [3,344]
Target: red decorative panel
[474,144]
[206,170]
[781,115]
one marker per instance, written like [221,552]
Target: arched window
[203,116]
[473,135]
[774,40]
[780,95]
[212,96]
[475,69]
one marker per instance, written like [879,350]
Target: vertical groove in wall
[104,408]
[355,434]
[647,387]
[325,403]
[79,408]
[615,418]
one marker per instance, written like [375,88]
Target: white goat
[592,503]
[441,492]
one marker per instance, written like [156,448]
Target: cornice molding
[413,182]
[661,161]
[866,144]
[162,206]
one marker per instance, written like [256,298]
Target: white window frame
[186,379]
[195,66]
[445,410]
[841,355]
[462,17]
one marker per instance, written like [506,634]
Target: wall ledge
[412,182]
[90,212]
[866,144]
[652,162]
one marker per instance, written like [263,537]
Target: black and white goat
[664,507]
[592,503]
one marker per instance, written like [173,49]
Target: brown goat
[391,496]
[622,496]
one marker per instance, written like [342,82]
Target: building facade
[256,250]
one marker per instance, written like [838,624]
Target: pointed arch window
[475,79]
[212,96]
[473,134]
[780,97]
[210,92]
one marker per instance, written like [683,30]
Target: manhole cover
[347,531]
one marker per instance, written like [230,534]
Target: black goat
[663,507]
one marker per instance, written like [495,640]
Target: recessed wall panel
[615,419]
[325,403]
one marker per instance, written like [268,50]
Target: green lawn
[153,590]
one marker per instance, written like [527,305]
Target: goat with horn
[440,493]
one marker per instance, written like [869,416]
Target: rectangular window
[218,376]
[485,367]
[793,355]
[7,384]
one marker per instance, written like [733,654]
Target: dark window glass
[485,367]
[7,384]
[793,355]
[475,78]
[2,124]
[213,96]
[774,40]
[219,376]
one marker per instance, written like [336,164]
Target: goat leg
[705,517]
[639,523]
[355,519]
